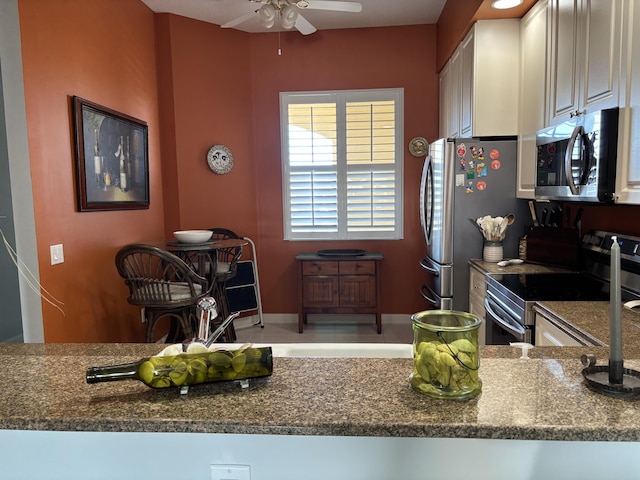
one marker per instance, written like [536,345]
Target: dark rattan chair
[165,286]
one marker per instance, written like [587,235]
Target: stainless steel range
[510,297]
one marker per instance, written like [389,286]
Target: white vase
[492,252]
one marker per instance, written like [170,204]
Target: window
[342,164]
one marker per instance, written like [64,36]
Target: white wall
[178,456]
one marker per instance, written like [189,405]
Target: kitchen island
[315,417]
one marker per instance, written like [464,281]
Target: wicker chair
[165,286]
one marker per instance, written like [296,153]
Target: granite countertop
[43,387]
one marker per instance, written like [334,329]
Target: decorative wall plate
[220,159]
[418,146]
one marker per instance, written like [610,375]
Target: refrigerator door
[436,199]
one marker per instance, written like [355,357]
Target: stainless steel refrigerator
[464,179]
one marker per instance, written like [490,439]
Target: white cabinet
[551,334]
[481,83]
[477,290]
[628,165]
[533,63]
[584,57]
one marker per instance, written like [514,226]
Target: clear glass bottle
[445,354]
[189,368]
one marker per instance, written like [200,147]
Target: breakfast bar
[353,410]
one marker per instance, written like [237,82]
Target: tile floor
[325,331]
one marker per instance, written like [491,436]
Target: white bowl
[193,236]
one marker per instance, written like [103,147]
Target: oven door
[504,325]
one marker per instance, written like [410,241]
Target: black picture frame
[112,158]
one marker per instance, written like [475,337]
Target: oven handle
[510,325]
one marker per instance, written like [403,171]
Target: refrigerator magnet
[481,185]
[494,154]
[495,165]
[461,150]
[460,180]
[469,188]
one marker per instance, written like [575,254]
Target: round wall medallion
[220,159]
[418,147]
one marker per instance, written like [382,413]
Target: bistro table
[204,259]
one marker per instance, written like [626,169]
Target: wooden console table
[338,284]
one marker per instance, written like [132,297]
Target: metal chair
[226,269]
[164,286]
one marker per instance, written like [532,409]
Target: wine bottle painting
[112,159]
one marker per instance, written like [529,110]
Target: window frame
[341,98]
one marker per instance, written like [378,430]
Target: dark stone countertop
[42,387]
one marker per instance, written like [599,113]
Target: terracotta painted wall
[104,52]
[225,86]
[330,60]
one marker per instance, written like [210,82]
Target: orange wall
[104,52]
[228,93]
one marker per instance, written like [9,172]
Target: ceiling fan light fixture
[504,4]
[267,15]
[288,17]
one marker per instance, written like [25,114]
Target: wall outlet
[57,254]
[230,472]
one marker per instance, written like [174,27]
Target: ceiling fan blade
[303,26]
[239,20]
[354,7]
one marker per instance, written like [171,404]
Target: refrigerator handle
[427,294]
[426,199]
[424,263]
[578,130]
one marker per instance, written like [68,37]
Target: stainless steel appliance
[576,159]
[510,297]
[464,179]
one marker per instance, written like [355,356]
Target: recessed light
[504,4]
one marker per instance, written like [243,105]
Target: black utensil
[576,221]
[545,217]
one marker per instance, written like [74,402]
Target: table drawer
[356,267]
[320,268]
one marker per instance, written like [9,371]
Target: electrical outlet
[230,472]
[57,254]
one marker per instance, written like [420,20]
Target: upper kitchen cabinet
[584,57]
[480,84]
[628,164]
[533,78]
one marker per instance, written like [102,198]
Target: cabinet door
[445,100]
[550,335]
[563,58]
[358,291]
[466,84]
[533,61]
[320,291]
[585,43]
[454,102]
[602,37]
[628,164]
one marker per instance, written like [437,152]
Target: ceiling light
[267,14]
[288,17]
[504,4]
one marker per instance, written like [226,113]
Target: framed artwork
[112,159]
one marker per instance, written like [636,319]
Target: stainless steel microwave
[576,160]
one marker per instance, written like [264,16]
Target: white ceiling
[375,13]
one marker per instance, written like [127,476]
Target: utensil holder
[492,252]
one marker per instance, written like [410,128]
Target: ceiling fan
[287,12]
